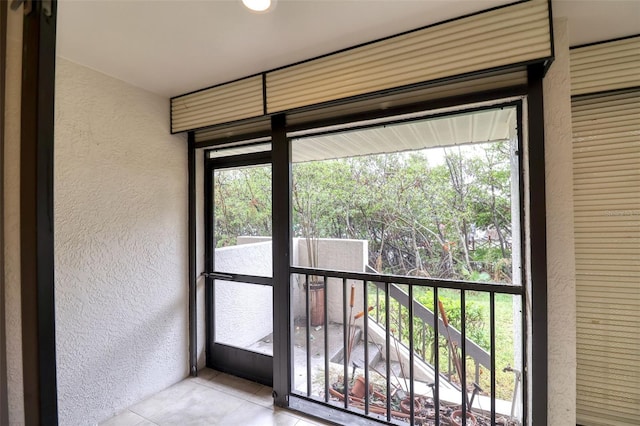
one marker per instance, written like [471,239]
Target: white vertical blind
[606,155]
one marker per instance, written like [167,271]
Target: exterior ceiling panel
[476,127]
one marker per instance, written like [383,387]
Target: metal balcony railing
[426,318]
[395,402]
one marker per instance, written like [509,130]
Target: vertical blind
[606,156]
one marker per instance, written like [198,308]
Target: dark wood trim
[523,250]
[549,61]
[193,314]
[4,403]
[372,114]
[579,46]
[240,160]
[538,246]
[36,215]
[208,259]
[604,93]
[413,108]
[253,366]
[259,137]
[281,196]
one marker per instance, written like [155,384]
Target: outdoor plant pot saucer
[456,418]
[405,405]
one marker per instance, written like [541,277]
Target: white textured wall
[12,215]
[560,247]
[334,254]
[120,245]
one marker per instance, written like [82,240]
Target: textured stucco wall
[120,245]
[12,215]
[560,248]
[334,254]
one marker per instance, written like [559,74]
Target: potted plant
[316,283]
[305,206]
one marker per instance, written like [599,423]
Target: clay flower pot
[358,387]
[456,418]
[316,297]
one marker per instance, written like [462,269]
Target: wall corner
[560,244]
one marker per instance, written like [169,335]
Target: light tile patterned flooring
[212,398]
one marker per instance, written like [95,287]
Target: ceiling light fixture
[259,6]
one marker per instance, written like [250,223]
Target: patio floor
[212,398]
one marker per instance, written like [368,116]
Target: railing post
[400,321]
[308,332]
[345,341]
[377,304]
[424,341]
[326,340]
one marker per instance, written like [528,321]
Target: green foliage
[242,204]
[477,330]
[475,316]
[417,214]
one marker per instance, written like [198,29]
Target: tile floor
[212,398]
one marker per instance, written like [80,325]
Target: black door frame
[37,228]
[535,167]
[238,362]
[36,213]
[4,402]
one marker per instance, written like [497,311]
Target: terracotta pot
[456,418]
[405,405]
[358,388]
[316,302]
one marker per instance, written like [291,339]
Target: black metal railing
[426,318]
[393,401]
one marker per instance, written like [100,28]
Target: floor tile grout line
[144,417]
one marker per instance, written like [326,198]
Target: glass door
[239,260]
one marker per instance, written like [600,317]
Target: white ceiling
[171,47]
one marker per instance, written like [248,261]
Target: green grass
[504,342]
[478,306]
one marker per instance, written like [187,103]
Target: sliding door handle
[217,276]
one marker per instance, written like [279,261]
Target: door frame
[36,213]
[249,365]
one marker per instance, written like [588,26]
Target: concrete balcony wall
[334,254]
[252,256]
[243,312]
